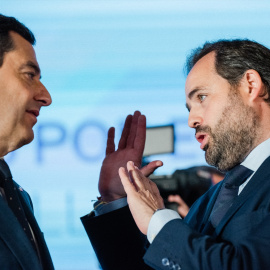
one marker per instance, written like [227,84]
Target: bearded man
[227,95]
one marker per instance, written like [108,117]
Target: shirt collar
[257,156]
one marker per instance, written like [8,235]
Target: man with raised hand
[227,95]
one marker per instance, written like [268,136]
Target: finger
[177,199]
[110,148]
[154,189]
[151,167]
[128,186]
[133,130]
[156,194]
[182,208]
[139,140]
[183,211]
[136,177]
[149,199]
[126,130]
[146,181]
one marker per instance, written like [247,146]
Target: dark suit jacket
[16,251]
[241,240]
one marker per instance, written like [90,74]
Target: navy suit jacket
[241,240]
[16,251]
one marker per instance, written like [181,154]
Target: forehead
[203,74]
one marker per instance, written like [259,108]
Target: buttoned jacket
[240,242]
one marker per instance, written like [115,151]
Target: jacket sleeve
[116,240]
[189,249]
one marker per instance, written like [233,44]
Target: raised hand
[130,147]
[142,195]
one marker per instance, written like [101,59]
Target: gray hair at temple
[233,58]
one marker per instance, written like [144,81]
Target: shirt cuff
[158,221]
[102,209]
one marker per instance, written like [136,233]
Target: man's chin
[205,148]
[26,140]
[209,158]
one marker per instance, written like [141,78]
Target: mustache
[205,129]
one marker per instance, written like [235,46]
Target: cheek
[213,114]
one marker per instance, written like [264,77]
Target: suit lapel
[256,182]
[16,240]
[43,249]
[199,213]
[206,226]
[211,202]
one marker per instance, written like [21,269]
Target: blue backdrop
[102,60]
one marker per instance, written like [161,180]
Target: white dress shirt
[160,218]
[253,161]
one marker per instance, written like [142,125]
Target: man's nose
[43,95]
[194,120]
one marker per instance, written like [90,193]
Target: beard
[233,137]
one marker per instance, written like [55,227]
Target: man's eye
[201,97]
[30,75]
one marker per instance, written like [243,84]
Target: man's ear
[253,86]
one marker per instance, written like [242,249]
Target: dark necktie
[228,192]
[13,200]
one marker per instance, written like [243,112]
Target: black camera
[189,183]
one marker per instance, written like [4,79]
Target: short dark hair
[8,24]
[233,58]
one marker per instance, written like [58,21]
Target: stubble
[234,136]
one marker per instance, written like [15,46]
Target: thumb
[151,167]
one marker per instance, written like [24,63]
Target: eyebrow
[192,93]
[188,108]
[32,65]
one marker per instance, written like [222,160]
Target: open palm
[130,148]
